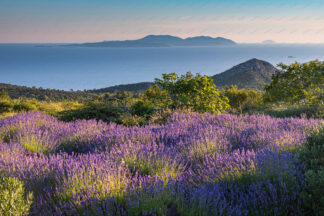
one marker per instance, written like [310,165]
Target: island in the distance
[268,42]
[162,41]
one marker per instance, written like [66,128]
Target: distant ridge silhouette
[162,41]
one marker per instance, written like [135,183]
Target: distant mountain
[253,74]
[162,41]
[206,40]
[268,42]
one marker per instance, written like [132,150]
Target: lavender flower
[195,164]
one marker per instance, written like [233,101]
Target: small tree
[198,93]
[157,97]
[239,98]
[235,96]
[297,84]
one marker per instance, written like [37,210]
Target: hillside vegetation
[135,88]
[186,93]
[181,147]
[15,92]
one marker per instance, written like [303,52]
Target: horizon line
[237,43]
[183,38]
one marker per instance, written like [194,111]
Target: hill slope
[136,87]
[253,74]
[15,91]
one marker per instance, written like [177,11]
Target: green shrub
[141,108]
[297,84]
[194,92]
[23,107]
[134,120]
[242,99]
[5,106]
[310,112]
[12,197]
[313,156]
[99,111]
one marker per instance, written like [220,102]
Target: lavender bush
[195,164]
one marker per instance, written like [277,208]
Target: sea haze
[78,68]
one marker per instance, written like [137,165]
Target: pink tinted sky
[249,21]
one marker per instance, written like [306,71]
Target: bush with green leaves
[118,98]
[188,92]
[93,110]
[13,200]
[297,84]
[142,108]
[296,112]
[158,97]
[313,156]
[242,99]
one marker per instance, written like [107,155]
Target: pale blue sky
[96,20]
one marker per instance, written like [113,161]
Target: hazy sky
[41,21]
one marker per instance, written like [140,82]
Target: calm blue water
[77,68]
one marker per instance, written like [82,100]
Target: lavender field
[195,164]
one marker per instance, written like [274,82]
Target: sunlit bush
[13,199]
[313,156]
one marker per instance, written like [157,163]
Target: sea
[58,66]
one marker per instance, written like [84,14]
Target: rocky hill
[253,73]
